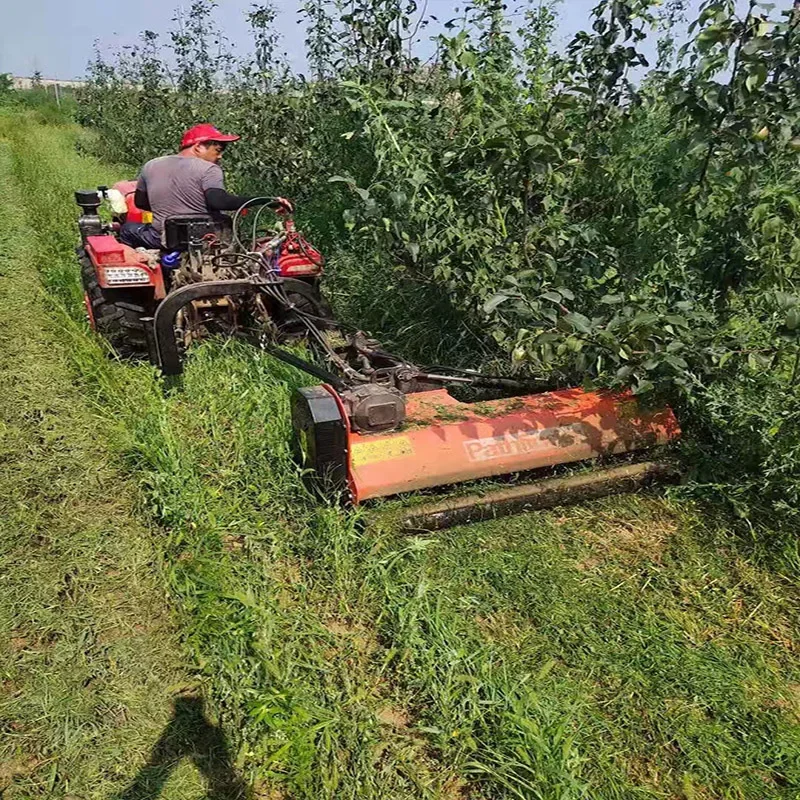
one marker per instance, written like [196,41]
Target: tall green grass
[622,650]
[213,462]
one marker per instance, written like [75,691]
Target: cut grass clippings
[625,649]
[89,658]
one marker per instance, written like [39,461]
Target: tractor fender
[117,265]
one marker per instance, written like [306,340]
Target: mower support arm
[169,358]
[167,355]
[481,381]
[306,366]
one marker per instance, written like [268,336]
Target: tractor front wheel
[116,314]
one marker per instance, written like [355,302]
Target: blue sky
[57,36]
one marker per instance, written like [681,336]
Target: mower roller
[377,425]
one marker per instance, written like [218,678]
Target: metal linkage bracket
[166,351]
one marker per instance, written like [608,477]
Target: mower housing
[444,441]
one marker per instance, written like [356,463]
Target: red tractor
[209,277]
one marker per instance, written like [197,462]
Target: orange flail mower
[450,442]
[382,439]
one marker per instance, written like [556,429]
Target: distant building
[27,83]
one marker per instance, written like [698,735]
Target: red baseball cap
[205,133]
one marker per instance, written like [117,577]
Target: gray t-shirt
[176,185]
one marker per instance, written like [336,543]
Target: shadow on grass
[188,735]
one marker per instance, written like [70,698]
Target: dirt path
[89,659]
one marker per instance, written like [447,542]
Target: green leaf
[676,362]
[554,297]
[550,314]
[468,59]
[493,302]
[792,319]
[710,11]
[772,226]
[399,199]
[676,319]
[785,300]
[535,139]
[757,77]
[579,322]
[566,293]
[644,319]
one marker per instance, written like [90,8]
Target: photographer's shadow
[188,735]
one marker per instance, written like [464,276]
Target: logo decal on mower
[518,443]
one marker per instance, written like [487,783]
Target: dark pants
[140,234]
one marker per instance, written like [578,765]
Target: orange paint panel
[446,442]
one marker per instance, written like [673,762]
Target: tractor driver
[189,182]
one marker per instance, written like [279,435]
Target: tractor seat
[188,231]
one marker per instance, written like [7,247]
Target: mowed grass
[90,661]
[625,649]
[620,649]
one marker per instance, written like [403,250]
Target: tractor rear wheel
[308,300]
[116,314]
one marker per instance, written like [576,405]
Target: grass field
[629,648]
[90,661]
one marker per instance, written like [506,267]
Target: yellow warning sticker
[363,453]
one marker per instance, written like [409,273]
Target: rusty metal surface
[535,496]
[447,442]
